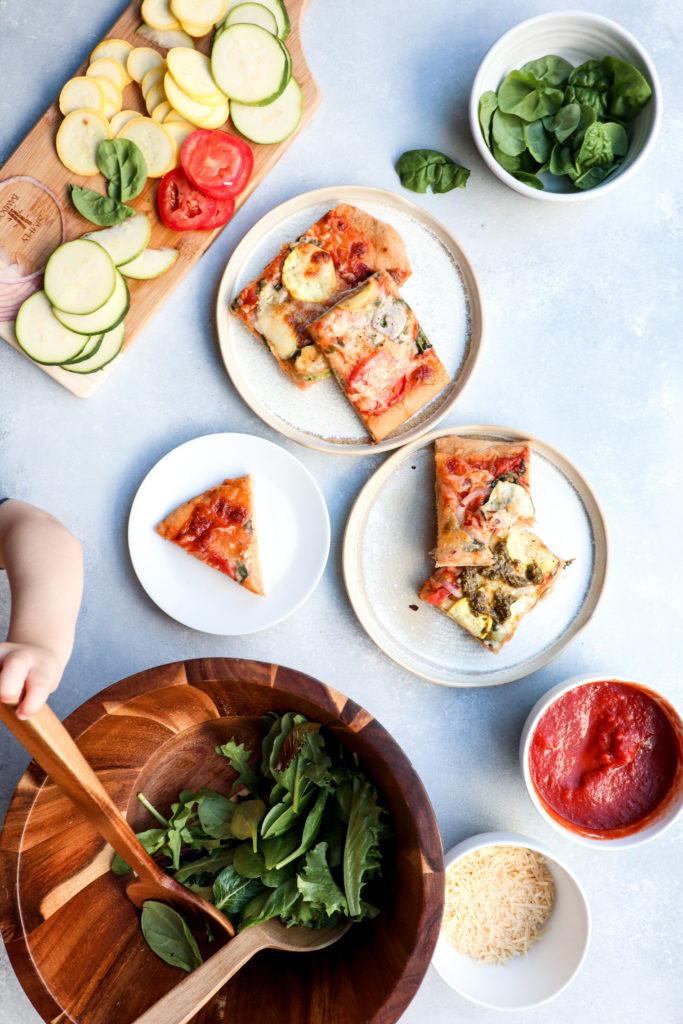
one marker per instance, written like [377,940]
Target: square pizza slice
[307,276]
[482,489]
[379,354]
[489,602]
[218,527]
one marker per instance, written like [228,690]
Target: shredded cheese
[497,900]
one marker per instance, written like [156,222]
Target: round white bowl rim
[481,841]
[577,16]
[540,707]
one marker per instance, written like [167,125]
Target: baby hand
[28,675]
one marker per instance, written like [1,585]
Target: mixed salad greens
[552,117]
[299,838]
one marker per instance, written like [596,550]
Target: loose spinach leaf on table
[99,209]
[123,165]
[420,168]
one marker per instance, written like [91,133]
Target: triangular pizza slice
[218,527]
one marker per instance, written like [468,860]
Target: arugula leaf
[238,756]
[99,209]
[168,935]
[124,167]
[420,168]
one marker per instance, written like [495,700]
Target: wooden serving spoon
[49,743]
[180,1004]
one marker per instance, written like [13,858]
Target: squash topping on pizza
[482,489]
[218,528]
[490,601]
[308,276]
[379,354]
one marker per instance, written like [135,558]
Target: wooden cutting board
[74,938]
[29,219]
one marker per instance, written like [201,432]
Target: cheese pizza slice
[379,354]
[309,275]
[482,489]
[489,602]
[218,528]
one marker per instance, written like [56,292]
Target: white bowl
[551,963]
[577,36]
[667,812]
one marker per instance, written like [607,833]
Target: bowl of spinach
[565,106]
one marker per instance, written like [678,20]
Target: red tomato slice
[377,383]
[182,207]
[218,164]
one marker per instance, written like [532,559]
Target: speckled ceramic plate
[321,417]
[392,530]
[288,504]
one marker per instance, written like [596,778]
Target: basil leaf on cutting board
[99,209]
[123,165]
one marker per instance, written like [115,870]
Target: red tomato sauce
[605,757]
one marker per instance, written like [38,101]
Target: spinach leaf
[527,96]
[276,904]
[529,179]
[565,121]
[215,812]
[488,104]
[538,141]
[246,820]
[601,143]
[232,891]
[124,167]
[629,92]
[551,69]
[168,935]
[420,168]
[507,131]
[99,209]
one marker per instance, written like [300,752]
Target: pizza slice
[218,528]
[309,275]
[482,489]
[379,354]
[489,602]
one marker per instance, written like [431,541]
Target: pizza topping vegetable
[308,273]
[374,384]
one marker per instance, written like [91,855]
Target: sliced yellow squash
[107,67]
[155,96]
[81,93]
[165,38]
[116,49]
[156,145]
[113,97]
[152,78]
[179,132]
[196,31]
[123,117]
[204,115]
[198,12]
[78,137]
[141,60]
[192,71]
[160,112]
[158,14]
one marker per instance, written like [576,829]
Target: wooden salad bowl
[74,938]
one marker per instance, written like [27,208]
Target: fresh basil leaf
[124,167]
[168,935]
[420,168]
[99,209]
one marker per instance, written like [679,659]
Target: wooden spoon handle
[47,740]
[182,1002]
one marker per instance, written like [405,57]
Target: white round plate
[291,519]
[321,417]
[392,530]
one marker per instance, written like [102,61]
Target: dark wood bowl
[74,938]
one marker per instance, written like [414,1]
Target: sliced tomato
[217,163]
[182,207]
[377,383]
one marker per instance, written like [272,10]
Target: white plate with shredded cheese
[516,923]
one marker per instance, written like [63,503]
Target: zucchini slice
[104,318]
[276,8]
[124,241]
[250,65]
[253,14]
[91,346]
[41,335]
[151,263]
[80,276]
[274,122]
[109,348]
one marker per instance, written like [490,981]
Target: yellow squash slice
[113,98]
[116,49]
[166,38]
[107,67]
[141,60]
[155,143]
[204,115]
[81,93]
[179,132]
[155,96]
[158,14]
[152,78]
[123,117]
[192,71]
[160,112]
[198,12]
[196,31]
[78,137]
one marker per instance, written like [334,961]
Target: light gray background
[583,350]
